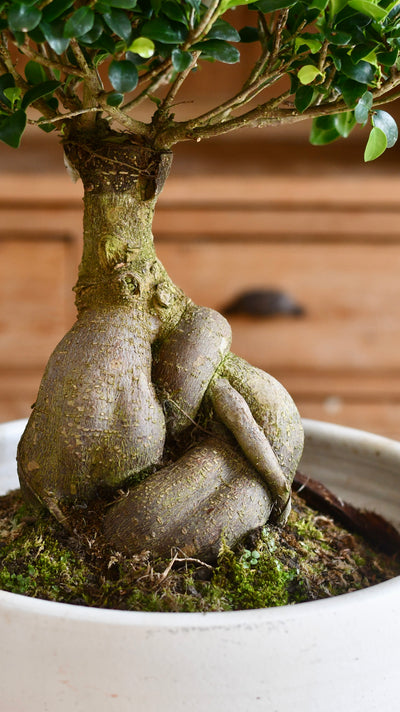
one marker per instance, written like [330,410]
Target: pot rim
[351,439]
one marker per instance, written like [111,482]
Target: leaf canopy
[341,57]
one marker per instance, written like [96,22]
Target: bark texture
[126,386]
[209,496]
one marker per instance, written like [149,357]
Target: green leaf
[123,75]
[388,59]
[181,60]
[93,34]
[313,44]
[363,106]
[45,126]
[219,50]
[52,102]
[6,81]
[338,38]
[249,34]
[362,72]
[318,5]
[119,22]
[79,23]
[22,18]
[376,145]
[34,72]
[106,45]
[38,92]
[227,4]
[56,9]
[308,73]
[303,98]
[115,99]
[337,6]
[362,51]
[386,123]
[175,11]
[12,127]
[54,35]
[368,8]
[143,47]
[344,123]
[161,30]
[272,5]
[13,94]
[323,131]
[123,4]
[351,91]
[222,30]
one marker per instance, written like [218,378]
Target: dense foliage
[70,59]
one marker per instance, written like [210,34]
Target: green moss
[37,564]
[310,558]
[254,579]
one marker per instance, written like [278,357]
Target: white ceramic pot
[326,656]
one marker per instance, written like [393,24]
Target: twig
[176,85]
[70,115]
[191,560]
[244,96]
[50,63]
[152,87]
[279,27]
[132,125]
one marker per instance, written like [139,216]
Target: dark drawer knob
[264,302]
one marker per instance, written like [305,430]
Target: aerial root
[235,413]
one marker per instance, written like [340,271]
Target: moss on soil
[311,558]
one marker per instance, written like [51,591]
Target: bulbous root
[224,487]
[235,413]
[209,496]
[86,433]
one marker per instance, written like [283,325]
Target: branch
[50,63]
[205,25]
[6,61]
[71,114]
[117,114]
[279,27]
[152,87]
[175,86]
[260,64]
[263,115]
[161,73]
[245,95]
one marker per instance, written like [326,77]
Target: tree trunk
[97,420]
[134,373]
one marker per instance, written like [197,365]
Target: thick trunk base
[210,496]
[141,366]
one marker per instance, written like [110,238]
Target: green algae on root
[310,558]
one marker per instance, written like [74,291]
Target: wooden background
[259,209]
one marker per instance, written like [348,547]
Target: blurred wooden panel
[285,222]
[376,417]
[34,304]
[350,294]
[354,385]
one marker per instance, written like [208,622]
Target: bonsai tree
[142,406]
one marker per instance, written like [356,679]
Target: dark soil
[314,556]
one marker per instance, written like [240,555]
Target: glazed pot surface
[325,656]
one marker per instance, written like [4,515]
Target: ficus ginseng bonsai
[143,394]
